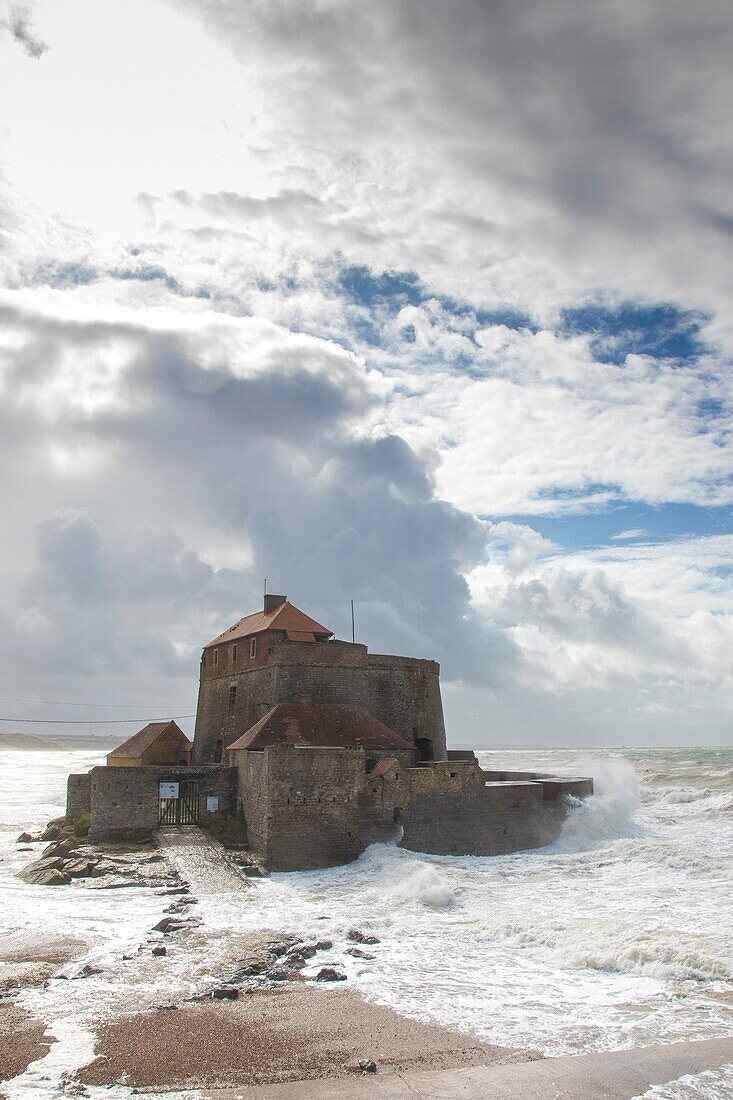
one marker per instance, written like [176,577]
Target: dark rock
[279,975]
[165,1008]
[225,993]
[308,950]
[51,832]
[324,945]
[175,890]
[59,848]
[281,946]
[367,1066]
[71,1087]
[330,974]
[97,869]
[358,953]
[250,970]
[295,960]
[26,838]
[45,872]
[159,950]
[360,937]
[25,849]
[87,971]
[127,958]
[169,924]
[80,868]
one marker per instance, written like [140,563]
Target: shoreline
[297,1033]
[23,1039]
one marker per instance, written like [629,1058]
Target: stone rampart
[452,809]
[316,807]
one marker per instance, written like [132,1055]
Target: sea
[618,935]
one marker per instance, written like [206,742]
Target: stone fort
[317,748]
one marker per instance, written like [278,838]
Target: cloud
[632,533]
[422,275]
[19,24]
[151,443]
[496,141]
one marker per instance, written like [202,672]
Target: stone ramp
[614,1075]
[200,860]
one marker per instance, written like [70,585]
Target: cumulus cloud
[524,147]
[162,441]
[431,277]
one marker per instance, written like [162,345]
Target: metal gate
[178,802]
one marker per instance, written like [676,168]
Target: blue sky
[368,313]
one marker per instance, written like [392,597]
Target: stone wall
[124,801]
[402,692]
[78,795]
[309,807]
[316,807]
[452,809]
[253,796]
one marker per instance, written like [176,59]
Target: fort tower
[280,655]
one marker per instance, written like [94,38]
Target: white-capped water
[618,935]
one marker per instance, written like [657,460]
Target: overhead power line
[69,703]
[91,721]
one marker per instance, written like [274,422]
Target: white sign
[212,803]
[168,790]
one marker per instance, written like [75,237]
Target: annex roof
[299,626]
[137,744]
[330,725]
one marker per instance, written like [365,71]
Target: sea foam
[609,814]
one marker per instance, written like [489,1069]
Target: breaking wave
[424,883]
[609,814]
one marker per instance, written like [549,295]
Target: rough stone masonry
[315,748]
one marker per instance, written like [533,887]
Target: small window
[234,654]
[216,657]
[253,647]
[232,700]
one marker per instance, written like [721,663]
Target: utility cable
[92,721]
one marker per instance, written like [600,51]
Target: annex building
[317,748]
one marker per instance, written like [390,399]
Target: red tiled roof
[137,744]
[285,617]
[334,725]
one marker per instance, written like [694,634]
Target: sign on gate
[168,790]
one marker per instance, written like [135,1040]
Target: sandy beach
[22,1040]
[297,1033]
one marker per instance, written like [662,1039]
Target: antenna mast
[353,631]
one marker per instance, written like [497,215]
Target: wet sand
[299,1033]
[21,1042]
[28,959]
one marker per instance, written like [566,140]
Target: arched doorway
[424,748]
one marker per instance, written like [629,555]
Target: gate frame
[183,808]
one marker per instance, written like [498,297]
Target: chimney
[273,602]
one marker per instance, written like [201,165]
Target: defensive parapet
[311,806]
[234,693]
